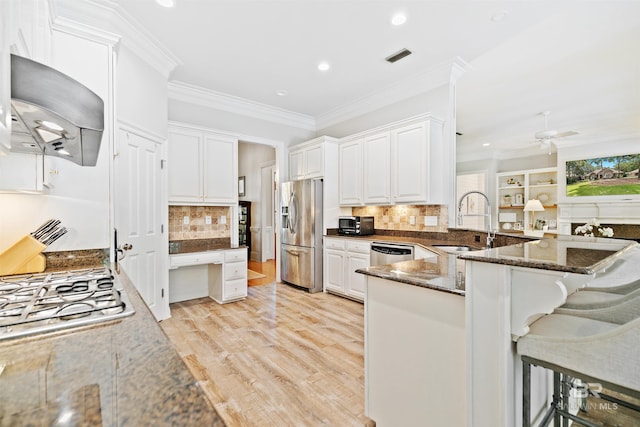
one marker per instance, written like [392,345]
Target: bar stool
[592,350]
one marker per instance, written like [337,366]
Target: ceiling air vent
[398,56]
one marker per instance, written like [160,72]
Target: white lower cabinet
[342,257]
[221,275]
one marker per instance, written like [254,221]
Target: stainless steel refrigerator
[301,237]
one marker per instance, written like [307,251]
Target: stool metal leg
[526,394]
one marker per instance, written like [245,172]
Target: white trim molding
[184,92]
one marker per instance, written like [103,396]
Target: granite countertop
[446,272]
[121,372]
[201,245]
[442,273]
[572,254]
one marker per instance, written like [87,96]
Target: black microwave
[355,225]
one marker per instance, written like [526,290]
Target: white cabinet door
[334,279]
[185,166]
[296,165]
[409,160]
[377,171]
[351,173]
[314,161]
[220,170]
[356,281]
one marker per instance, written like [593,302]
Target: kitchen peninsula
[121,372]
[414,313]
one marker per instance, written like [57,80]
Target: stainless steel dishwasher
[388,253]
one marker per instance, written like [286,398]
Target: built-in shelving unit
[513,191]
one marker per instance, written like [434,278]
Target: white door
[267,213]
[139,210]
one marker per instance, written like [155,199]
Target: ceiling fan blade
[567,133]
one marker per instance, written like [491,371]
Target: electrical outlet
[476,238]
[412,220]
[223,219]
[185,220]
[430,220]
[207,219]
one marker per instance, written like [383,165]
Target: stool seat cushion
[601,350]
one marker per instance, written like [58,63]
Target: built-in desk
[216,271]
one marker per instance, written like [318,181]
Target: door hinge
[161,228]
[162,163]
[162,292]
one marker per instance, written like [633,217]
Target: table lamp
[532,206]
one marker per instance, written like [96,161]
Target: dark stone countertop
[574,254]
[116,373]
[201,245]
[442,273]
[571,254]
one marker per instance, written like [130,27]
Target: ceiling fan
[547,136]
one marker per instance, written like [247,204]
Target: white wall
[141,94]
[435,101]
[79,196]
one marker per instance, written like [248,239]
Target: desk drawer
[234,256]
[235,270]
[196,258]
[330,243]
[363,247]
[235,289]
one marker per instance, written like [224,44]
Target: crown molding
[180,91]
[439,75]
[96,14]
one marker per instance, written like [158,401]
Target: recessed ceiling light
[166,3]
[486,144]
[324,66]
[499,16]
[281,92]
[399,19]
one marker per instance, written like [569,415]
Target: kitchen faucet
[490,236]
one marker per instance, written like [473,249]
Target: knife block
[24,256]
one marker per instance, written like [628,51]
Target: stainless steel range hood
[53,114]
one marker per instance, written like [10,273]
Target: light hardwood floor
[282,357]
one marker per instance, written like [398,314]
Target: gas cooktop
[44,302]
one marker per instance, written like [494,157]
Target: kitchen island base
[415,355]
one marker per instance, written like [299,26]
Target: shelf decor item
[533,206]
[593,229]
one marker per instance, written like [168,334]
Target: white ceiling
[579,60]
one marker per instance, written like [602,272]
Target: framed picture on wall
[603,176]
[241,183]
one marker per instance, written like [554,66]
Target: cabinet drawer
[334,243]
[235,270]
[198,258]
[234,289]
[359,246]
[234,256]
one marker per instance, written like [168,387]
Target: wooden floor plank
[281,357]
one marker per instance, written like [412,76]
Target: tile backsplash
[398,217]
[197,229]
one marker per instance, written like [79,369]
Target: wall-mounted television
[603,176]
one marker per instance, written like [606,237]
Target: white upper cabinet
[203,166]
[403,162]
[220,170]
[409,160]
[307,160]
[350,188]
[376,152]
[185,166]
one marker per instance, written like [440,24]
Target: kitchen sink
[453,249]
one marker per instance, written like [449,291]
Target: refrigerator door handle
[296,252]
[293,213]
